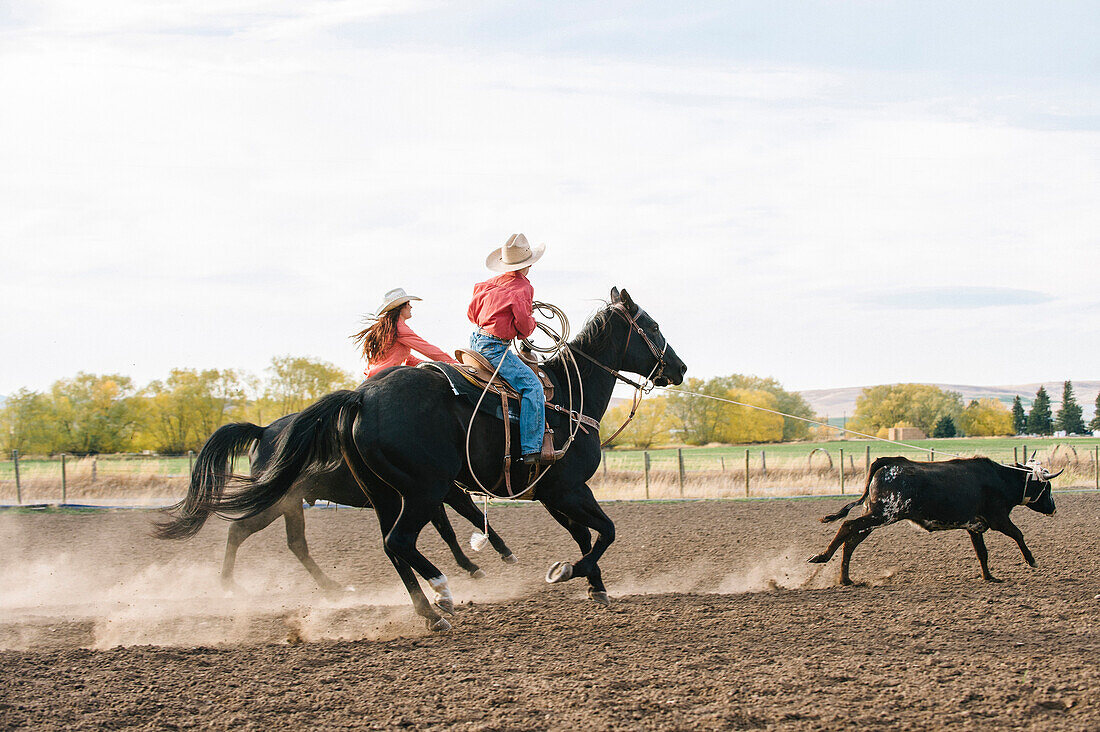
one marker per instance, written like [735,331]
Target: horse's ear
[614,294]
[624,298]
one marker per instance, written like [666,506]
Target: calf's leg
[866,522]
[1006,527]
[983,555]
[846,556]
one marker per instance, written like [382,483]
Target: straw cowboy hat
[515,254]
[392,299]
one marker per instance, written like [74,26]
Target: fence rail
[799,469]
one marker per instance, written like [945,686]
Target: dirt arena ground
[717,622]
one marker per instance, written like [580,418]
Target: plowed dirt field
[716,622]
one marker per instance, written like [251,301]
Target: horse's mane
[592,338]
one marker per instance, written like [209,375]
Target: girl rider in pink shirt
[389,341]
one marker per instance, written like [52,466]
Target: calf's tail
[875,466]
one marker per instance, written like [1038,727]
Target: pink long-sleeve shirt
[400,351]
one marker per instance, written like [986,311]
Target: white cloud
[231,197]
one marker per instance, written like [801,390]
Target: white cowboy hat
[515,254]
[392,299]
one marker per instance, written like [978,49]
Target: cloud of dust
[789,570]
[79,599]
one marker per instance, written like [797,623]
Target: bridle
[1040,475]
[647,384]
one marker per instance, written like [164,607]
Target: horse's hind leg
[447,532]
[460,501]
[295,518]
[240,530]
[580,509]
[389,508]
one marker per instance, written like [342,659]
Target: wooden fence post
[746,473]
[1015,455]
[95,460]
[64,481]
[190,464]
[645,462]
[18,488]
[867,460]
[723,464]
[680,460]
[764,463]
[842,471]
[603,461]
[932,455]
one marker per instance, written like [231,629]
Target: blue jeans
[532,403]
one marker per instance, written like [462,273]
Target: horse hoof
[478,574]
[509,559]
[445,606]
[818,559]
[559,572]
[439,626]
[600,598]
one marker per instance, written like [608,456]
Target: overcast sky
[830,193]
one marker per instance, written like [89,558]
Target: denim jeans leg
[532,410]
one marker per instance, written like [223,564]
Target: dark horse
[215,462]
[403,435]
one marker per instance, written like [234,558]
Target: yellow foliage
[986,418]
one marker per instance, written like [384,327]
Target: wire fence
[729,472]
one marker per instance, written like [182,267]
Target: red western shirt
[502,306]
[400,351]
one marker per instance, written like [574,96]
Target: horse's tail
[875,466]
[212,467]
[309,445]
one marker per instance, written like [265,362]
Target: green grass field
[999,448]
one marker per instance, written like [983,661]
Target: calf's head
[1037,491]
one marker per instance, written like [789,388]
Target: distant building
[900,434]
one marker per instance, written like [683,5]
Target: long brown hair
[379,336]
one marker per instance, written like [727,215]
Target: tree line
[104,413]
[941,413]
[683,419]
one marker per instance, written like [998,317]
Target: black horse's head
[646,351]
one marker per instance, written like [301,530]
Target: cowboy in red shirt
[501,310]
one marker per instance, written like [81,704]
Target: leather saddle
[477,369]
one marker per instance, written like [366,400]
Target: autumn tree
[179,413]
[651,425]
[1039,421]
[701,421]
[986,418]
[93,413]
[296,382]
[920,405]
[26,421]
[1069,415]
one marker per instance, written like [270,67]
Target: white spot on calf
[893,506]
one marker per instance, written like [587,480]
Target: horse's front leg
[578,511]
